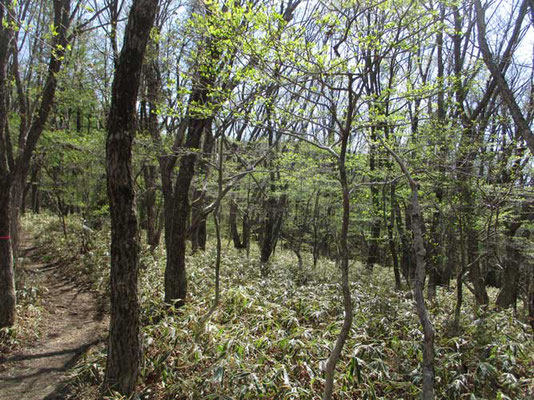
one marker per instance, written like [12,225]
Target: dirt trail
[72,324]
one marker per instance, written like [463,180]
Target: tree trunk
[154,223]
[475,274]
[407,257]
[435,255]
[28,140]
[200,197]
[36,199]
[450,252]
[216,220]
[315,224]
[268,228]
[418,288]
[32,186]
[372,255]
[459,280]
[199,233]
[272,225]
[7,274]
[124,346]
[153,231]
[471,135]
[510,279]
[530,295]
[177,211]
[508,294]
[177,202]
[392,245]
[232,220]
[17,192]
[246,231]
[343,251]
[496,71]
[417,229]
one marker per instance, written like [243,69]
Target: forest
[266,199]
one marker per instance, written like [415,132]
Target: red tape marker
[5,237]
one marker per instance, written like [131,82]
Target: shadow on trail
[77,352]
[74,320]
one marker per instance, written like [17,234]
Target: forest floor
[73,322]
[267,339]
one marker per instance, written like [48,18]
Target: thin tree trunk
[36,198]
[199,232]
[246,225]
[459,280]
[200,196]
[418,283]
[343,251]
[232,220]
[28,140]
[149,201]
[428,328]
[407,260]
[530,299]
[316,229]
[216,219]
[392,245]
[33,185]
[459,299]
[372,256]
[497,74]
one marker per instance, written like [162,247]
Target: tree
[15,164]
[124,346]
[419,282]
[7,276]
[345,127]
[497,72]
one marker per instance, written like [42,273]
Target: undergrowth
[270,337]
[29,308]
[29,313]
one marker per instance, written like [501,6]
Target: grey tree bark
[343,249]
[418,283]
